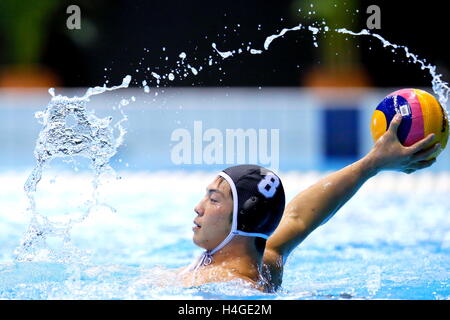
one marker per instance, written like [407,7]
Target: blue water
[390,241]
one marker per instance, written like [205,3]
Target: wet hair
[221,180]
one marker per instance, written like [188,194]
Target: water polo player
[248,233]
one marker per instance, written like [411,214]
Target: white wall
[295,113]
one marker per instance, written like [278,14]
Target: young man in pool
[245,206]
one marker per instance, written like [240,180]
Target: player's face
[214,212]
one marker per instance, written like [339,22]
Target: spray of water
[90,137]
[440,88]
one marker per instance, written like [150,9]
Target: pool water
[390,241]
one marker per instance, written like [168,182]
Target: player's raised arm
[313,206]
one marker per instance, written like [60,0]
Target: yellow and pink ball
[421,114]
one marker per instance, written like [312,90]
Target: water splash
[224,55]
[89,137]
[269,39]
[440,87]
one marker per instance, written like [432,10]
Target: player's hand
[389,154]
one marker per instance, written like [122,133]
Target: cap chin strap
[206,257]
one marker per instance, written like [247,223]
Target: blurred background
[116,38]
[37,48]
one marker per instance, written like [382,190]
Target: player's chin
[196,238]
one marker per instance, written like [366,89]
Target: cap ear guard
[253,204]
[250,217]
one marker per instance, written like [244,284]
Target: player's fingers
[419,145]
[426,153]
[422,164]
